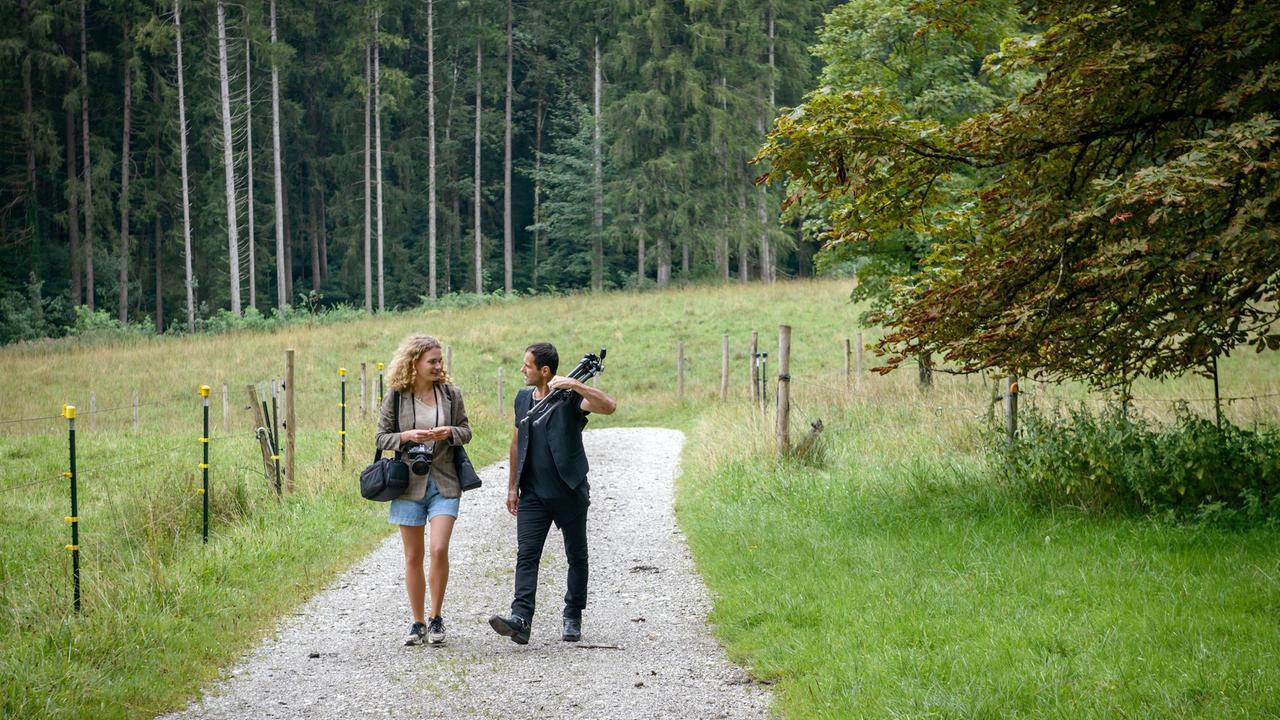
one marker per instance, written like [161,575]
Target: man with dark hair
[548,483]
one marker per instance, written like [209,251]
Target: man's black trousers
[533,522]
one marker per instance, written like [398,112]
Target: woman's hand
[439,433]
[415,436]
[424,436]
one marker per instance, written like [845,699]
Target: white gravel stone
[340,655]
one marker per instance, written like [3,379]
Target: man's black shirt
[539,475]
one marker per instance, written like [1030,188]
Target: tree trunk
[124,180]
[28,117]
[377,140]
[228,163]
[640,249]
[159,258]
[762,211]
[324,240]
[88,166]
[768,265]
[431,150]
[73,206]
[186,195]
[368,190]
[452,241]
[252,245]
[508,239]
[539,119]
[282,285]
[773,103]
[664,260]
[597,216]
[476,176]
[288,230]
[744,251]
[313,212]
[453,237]
[157,229]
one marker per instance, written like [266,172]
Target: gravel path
[646,651]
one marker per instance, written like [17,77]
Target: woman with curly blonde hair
[432,417]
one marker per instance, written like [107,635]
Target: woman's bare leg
[438,571]
[414,582]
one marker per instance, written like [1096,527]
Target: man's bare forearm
[596,400]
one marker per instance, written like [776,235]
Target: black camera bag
[467,477]
[385,479]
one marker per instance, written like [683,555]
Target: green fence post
[342,406]
[380,366]
[69,412]
[204,466]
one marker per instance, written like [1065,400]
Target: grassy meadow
[885,576]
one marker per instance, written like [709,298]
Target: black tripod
[590,366]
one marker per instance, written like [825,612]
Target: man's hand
[513,501]
[561,382]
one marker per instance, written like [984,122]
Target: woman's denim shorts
[420,512]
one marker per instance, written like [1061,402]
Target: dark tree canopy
[1126,221]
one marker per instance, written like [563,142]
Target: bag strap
[395,398]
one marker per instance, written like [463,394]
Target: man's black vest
[564,426]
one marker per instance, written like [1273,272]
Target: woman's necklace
[418,394]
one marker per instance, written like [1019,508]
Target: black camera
[420,458]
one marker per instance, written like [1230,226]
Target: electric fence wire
[97,469]
[38,418]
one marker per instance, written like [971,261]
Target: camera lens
[419,459]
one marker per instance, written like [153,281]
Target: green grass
[162,613]
[947,600]
[899,581]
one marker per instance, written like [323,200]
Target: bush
[460,300]
[1190,468]
[102,325]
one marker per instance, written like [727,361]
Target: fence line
[30,419]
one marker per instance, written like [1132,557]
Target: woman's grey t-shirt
[425,417]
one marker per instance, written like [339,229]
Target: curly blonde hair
[403,368]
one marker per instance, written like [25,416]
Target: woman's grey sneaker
[572,630]
[435,630]
[417,633]
[514,627]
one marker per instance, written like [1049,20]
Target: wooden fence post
[784,389]
[680,370]
[136,424]
[290,419]
[859,365]
[226,409]
[264,436]
[93,410]
[724,367]
[1011,407]
[364,391]
[448,359]
[755,368]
